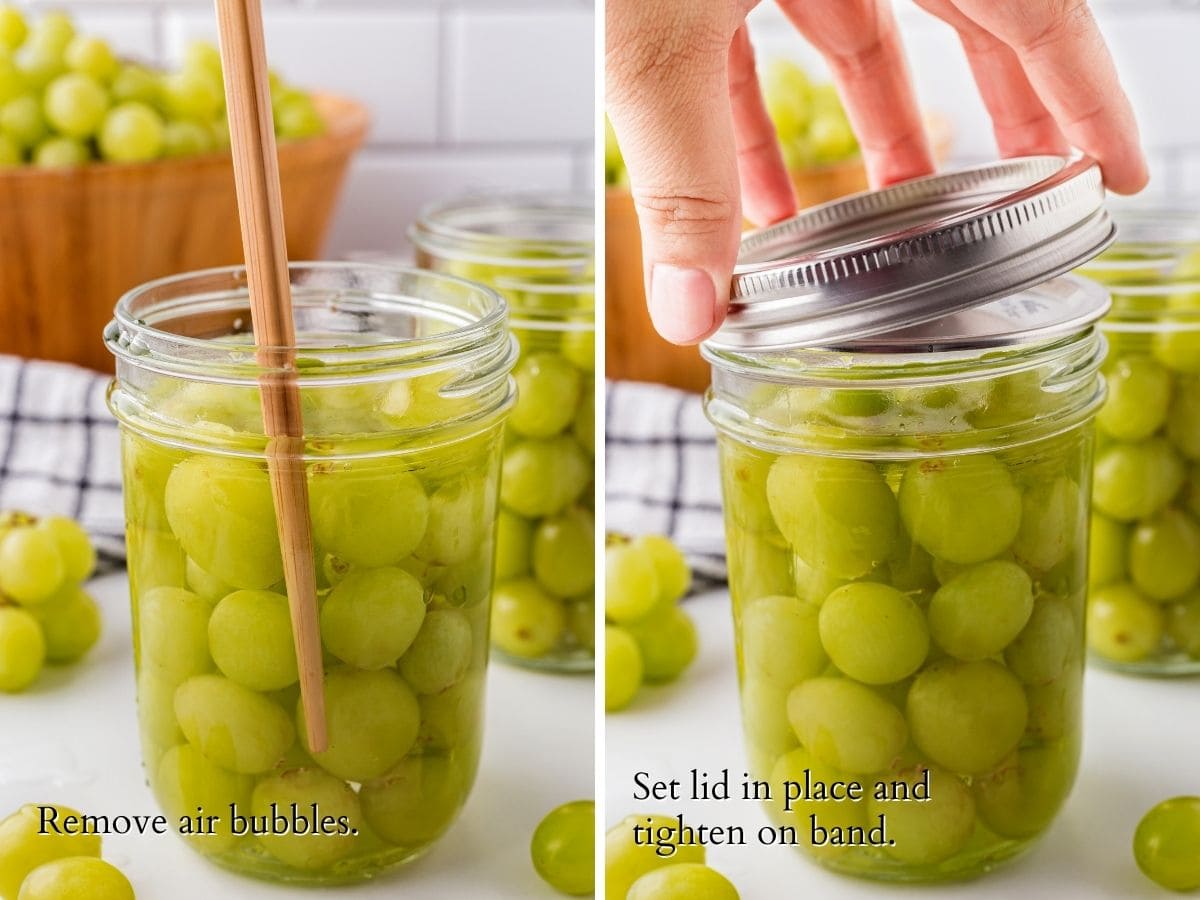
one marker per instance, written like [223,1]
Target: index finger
[860,42]
[1064,54]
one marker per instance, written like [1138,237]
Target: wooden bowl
[72,241]
[634,351]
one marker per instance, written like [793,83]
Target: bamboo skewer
[260,208]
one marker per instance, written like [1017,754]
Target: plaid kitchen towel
[661,471]
[59,452]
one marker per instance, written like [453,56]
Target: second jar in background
[538,251]
[1144,603]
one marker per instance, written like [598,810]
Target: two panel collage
[349,548]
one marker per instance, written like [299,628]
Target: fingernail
[682,303]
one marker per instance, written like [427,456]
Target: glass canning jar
[1144,605]
[538,251]
[906,515]
[405,382]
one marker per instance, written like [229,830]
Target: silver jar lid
[888,260]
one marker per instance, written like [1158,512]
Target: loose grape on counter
[52,866]
[647,636]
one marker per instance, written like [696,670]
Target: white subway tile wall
[465,95]
[1156,46]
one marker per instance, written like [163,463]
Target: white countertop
[73,739]
[1142,745]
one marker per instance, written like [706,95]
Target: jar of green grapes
[1144,605]
[404,378]
[539,252]
[906,513]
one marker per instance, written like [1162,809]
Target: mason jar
[538,251]
[404,382]
[906,515]
[1144,604]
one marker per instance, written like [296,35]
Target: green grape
[563,553]
[93,57]
[839,515]
[368,516]
[60,153]
[622,668]
[542,477]
[411,805]
[1183,422]
[787,91]
[1178,350]
[548,389]
[222,512]
[626,859]
[1183,625]
[667,643]
[846,725]
[1164,555]
[460,513]
[911,567]
[22,649]
[963,509]
[75,105]
[581,622]
[684,881]
[13,27]
[372,616]
[184,137]
[373,719]
[1166,844]
[250,638]
[156,709]
[10,153]
[39,63]
[580,348]
[205,585]
[201,56]
[674,574]
[188,784]
[70,623]
[873,633]
[466,583]
[173,633]
[764,717]
[300,789]
[563,848]
[32,567]
[526,621]
[1107,547]
[78,555]
[450,720]
[829,814]
[931,831]
[1133,481]
[1023,795]
[967,716]
[584,426]
[441,653]
[1139,391]
[135,84]
[298,118]
[744,487]
[22,121]
[979,611]
[1055,707]
[1039,654]
[192,94]
[631,583]
[23,847]
[1122,625]
[76,878]
[132,132]
[55,29]
[781,640]
[231,725]
[514,545]
[1050,519]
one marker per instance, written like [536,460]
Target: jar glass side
[907,553]
[403,516]
[538,252]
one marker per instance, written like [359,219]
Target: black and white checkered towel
[59,452]
[661,471]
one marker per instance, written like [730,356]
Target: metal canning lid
[887,260]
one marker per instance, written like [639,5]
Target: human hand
[701,151]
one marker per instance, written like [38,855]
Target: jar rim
[476,317]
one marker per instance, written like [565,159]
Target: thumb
[668,99]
